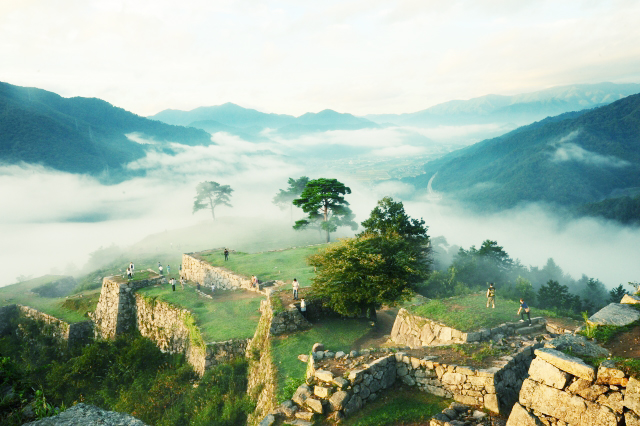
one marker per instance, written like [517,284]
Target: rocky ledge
[88,415]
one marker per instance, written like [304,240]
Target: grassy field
[58,307]
[230,315]
[282,265]
[470,313]
[398,406]
[335,334]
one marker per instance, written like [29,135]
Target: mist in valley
[56,220]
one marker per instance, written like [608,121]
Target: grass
[479,351]
[230,315]
[470,313]
[282,265]
[59,307]
[399,406]
[336,334]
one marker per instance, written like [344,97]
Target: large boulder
[543,372]
[615,314]
[567,363]
[521,417]
[579,345]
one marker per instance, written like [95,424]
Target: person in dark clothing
[226,254]
[524,309]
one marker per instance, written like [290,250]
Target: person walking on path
[303,308]
[226,254]
[295,286]
[524,309]
[491,296]
[173,284]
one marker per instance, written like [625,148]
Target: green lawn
[335,334]
[282,265]
[398,406]
[21,293]
[230,315]
[470,313]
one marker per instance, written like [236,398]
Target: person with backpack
[524,309]
[491,296]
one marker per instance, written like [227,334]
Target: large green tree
[285,197]
[323,202]
[382,265]
[211,194]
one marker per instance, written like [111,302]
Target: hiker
[226,254]
[198,286]
[168,269]
[254,280]
[303,308]
[160,269]
[173,284]
[182,282]
[129,273]
[524,309]
[213,288]
[491,296]
[131,268]
[295,286]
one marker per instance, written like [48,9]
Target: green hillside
[571,159]
[78,135]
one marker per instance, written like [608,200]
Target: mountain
[518,109]
[78,135]
[571,159]
[249,123]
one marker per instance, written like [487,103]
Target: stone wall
[116,309]
[285,320]
[262,384]
[174,331]
[416,332]
[495,389]
[200,271]
[563,390]
[71,333]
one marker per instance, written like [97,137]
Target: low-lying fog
[51,221]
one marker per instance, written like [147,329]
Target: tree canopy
[323,202]
[285,197]
[211,194]
[382,265]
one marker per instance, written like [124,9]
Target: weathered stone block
[543,372]
[322,391]
[521,417]
[632,395]
[324,376]
[314,404]
[615,314]
[340,382]
[301,394]
[567,363]
[338,400]
[609,374]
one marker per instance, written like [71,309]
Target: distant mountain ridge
[520,109]
[569,160]
[250,123]
[78,135]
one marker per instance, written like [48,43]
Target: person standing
[173,284]
[524,309]
[182,283]
[295,286]
[160,269]
[491,296]
[129,273]
[131,267]
[254,280]
[226,254]
[168,269]
[303,308]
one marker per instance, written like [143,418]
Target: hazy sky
[359,56]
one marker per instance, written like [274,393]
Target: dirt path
[380,333]
[626,344]
[230,295]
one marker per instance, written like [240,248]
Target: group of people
[173,281]
[522,310]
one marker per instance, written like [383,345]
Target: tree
[555,295]
[361,274]
[617,293]
[323,202]
[209,195]
[381,265]
[284,198]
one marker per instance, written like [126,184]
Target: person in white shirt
[296,286]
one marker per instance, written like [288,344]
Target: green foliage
[617,293]
[284,198]
[211,194]
[624,209]
[365,272]
[478,352]
[323,202]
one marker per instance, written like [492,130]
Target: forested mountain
[519,109]
[78,135]
[571,159]
[249,123]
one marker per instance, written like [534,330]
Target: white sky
[294,56]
